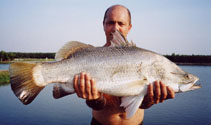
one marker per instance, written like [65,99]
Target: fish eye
[187,76]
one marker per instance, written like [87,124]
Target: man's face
[117,19]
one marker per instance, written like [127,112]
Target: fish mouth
[190,86]
[195,86]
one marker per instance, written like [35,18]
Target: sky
[162,26]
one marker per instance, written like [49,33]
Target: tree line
[9,56]
[189,58]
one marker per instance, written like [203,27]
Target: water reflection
[4,66]
[4,84]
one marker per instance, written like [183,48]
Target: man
[106,108]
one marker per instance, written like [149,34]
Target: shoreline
[193,64]
[4,77]
[27,60]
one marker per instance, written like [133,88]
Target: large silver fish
[121,70]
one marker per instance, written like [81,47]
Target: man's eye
[120,23]
[110,23]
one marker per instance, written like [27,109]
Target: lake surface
[186,109]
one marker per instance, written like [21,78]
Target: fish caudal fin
[23,83]
[132,103]
[61,90]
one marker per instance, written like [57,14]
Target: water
[186,109]
[4,66]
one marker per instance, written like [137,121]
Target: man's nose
[115,27]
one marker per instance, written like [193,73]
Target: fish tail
[24,81]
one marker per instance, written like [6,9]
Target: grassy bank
[4,77]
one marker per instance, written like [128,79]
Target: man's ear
[130,26]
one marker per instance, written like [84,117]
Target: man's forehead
[117,10]
[117,14]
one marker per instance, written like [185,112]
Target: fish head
[172,75]
[184,81]
[188,82]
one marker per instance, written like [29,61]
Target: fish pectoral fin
[69,48]
[131,104]
[61,90]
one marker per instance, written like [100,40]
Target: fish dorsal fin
[69,48]
[119,40]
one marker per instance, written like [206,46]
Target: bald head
[116,17]
[112,8]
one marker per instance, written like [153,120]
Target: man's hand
[157,94]
[85,87]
